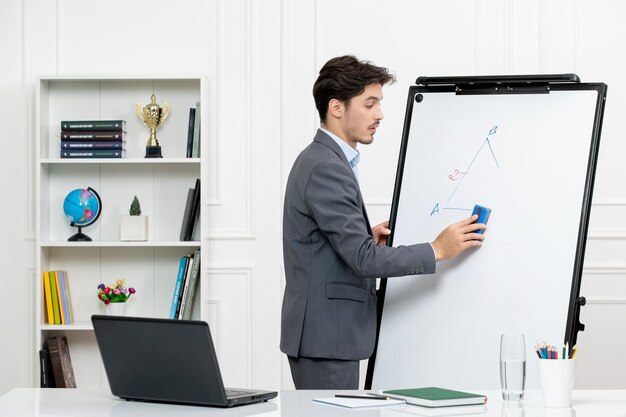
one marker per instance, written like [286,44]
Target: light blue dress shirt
[352,155]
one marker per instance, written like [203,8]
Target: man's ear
[336,108]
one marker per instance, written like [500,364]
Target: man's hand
[380,232]
[458,237]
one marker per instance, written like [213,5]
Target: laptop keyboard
[230,393]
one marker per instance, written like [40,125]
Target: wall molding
[216,110]
[607,233]
[609,202]
[576,36]
[605,269]
[543,37]
[605,301]
[249,79]
[231,235]
[508,46]
[30,233]
[31,317]
[247,271]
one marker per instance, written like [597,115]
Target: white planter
[134,228]
[114,309]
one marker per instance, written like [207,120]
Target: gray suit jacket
[332,261]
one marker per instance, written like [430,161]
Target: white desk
[33,402]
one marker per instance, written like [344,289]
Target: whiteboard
[525,156]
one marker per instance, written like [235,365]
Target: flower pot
[114,309]
[134,228]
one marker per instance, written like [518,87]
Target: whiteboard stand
[526,146]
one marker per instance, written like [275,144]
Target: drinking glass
[512,366]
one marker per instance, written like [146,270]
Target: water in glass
[512,366]
[512,377]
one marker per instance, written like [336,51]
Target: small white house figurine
[134,227]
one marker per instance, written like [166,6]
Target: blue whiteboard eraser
[483,216]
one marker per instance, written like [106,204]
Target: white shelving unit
[160,184]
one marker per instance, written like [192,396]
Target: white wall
[261,58]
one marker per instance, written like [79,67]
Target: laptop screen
[160,360]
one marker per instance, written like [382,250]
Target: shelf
[79,325]
[161,184]
[119,244]
[155,161]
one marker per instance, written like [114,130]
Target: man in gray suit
[332,256]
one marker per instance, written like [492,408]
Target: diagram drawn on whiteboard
[458,176]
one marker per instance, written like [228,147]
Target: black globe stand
[79,237]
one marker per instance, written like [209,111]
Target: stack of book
[58,299]
[185,286]
[93,139]
[55,363]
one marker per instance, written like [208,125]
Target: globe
[82,207]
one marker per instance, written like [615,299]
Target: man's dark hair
[345,77]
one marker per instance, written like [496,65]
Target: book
[94,153]
[358,402]
[61,362]
[48,297]
[195,210]
[177,286]
[195,271]
[69,296]
[66,363]
[58,283]
[190,130]
[115,125]
[62,284]
[196,133]
[436,397]
[182,286]
[45,367]
[183,292]
[92,144]
[55,300]
[186,215]
[72,135]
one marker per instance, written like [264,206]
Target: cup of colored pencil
[557,373]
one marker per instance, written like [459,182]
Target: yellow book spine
[48,296]
[59,297]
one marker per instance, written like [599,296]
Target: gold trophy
[153,116]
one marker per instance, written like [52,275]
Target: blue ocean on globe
[81,207]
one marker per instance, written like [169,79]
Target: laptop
[169,361]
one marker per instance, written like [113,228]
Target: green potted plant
[134,226]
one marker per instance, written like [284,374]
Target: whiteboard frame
[497,85]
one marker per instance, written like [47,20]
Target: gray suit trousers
[316,373]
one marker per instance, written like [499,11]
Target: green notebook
[436,397]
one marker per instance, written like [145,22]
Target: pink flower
[107,290]
[116,291]
[131,290]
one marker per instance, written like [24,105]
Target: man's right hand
[458,237]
